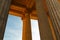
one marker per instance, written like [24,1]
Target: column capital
[25,16]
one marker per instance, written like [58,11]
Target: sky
[14,28]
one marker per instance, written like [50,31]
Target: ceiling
[21,7]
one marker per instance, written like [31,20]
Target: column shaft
[44,26]
[4,7]
[54,12]
[27,28]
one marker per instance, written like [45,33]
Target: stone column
[44,26]
[27,35]
[4,7]
[54,13]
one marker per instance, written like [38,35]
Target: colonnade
[44,26]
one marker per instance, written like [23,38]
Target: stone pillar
[44,26]
[54,13]
[27,35]
[4,7]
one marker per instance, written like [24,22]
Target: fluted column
[54,12]
[27,27]
[4,7]
[44,26]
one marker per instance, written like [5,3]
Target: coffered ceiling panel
[20,7]
[25,3]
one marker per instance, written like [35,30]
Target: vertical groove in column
[51,14]
[44,26]
[55,15]
[3,16]
[27,28]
